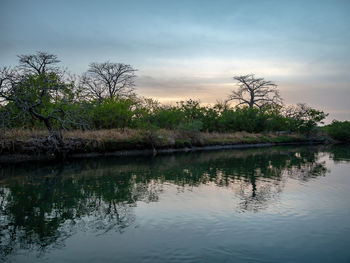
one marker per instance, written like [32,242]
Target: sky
[192,48]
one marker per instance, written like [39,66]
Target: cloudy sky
[192,49]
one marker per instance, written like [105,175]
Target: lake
[278,204]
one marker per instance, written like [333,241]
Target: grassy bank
[34,142]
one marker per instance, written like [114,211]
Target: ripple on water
[231,206]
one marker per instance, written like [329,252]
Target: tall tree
[38,63]
[252,91]
[109,80]
[37,89]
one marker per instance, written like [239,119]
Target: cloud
[192,49]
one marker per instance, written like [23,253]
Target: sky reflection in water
[285,204]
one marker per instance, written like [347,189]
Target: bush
[187,116]
[304,119]
[191,127]
[167,118]
[112,113]
[339,130]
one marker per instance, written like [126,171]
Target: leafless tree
[254,91]
[92,87]
[38,63]
[7,80]
[109,80]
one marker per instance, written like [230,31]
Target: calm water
[287,204]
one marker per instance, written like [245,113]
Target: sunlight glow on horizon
[182,51]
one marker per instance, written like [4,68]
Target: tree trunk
[54,138]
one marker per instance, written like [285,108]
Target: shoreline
[20,157]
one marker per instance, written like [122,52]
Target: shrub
[113,113]
[339,130]
[193,126]
[167,118]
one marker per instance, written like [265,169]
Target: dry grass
[112,134]
[99,135]
[160,137]
[13,135]
[105,141]
[235,136]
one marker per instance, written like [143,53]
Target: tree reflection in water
[41,206]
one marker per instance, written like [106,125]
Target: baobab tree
[37,89]
[108,80]
[39,63]
[252,91]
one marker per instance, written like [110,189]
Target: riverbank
[32,145]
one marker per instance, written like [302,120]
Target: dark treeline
[39,94]
[339,130]
[144,113]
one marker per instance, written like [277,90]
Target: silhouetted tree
[39,63]
[304,118]
[252,91]
[108,80]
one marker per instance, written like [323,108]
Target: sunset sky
[192,49]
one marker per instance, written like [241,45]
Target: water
[286,204]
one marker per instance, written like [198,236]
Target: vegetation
[37,94]
[339,130]
[110,140]
[189,115]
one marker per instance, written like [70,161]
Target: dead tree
[252,91]
[109,80]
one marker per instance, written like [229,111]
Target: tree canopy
[252,91]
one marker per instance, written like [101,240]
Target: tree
[254,91]
[109,80]
[303,118]
[37,89]
[39,63]
[339,130]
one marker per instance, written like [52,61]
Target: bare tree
[92,87]
[38,63]
[7,80]
[254,91]
[109,80]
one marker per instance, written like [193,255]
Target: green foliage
[210,119]
[167,117]
[304,119]
[187,116]
[191,110]
[192,126]
[37,94]
[339,130]
[40,99]
[113,113]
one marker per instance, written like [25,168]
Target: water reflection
[340,153]
[41,206]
